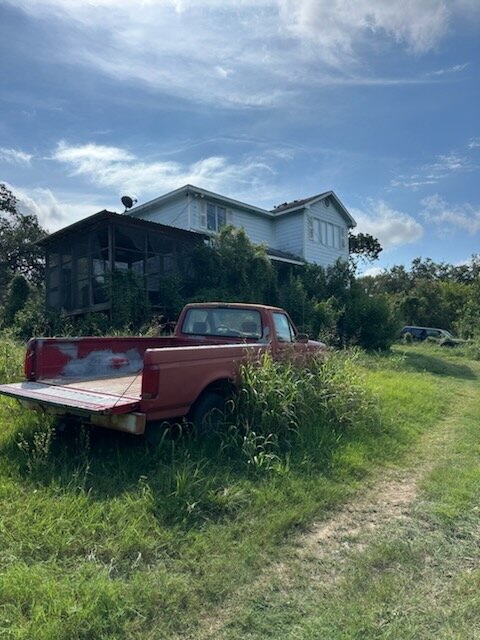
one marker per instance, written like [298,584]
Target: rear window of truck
[223,322]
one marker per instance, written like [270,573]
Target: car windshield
[223,322]
[447,333]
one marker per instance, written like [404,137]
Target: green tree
[363,246]
[233,268]
[19,255]
[17,295]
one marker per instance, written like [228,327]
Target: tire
[208,413]
[156,432]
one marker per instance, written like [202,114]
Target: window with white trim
[215,218]
[326,233]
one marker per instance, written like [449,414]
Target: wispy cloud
[449,216]
[14,156]
[392,228]
[444,166]
[243,53]
[339,25]
[122,170]
[448,163]
[474,143]
[449,70]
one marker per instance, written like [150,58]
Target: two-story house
[156,239]
[311,230]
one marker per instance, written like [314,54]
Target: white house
[311,230]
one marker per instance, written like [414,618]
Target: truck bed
[119,385]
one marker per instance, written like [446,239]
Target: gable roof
[191,189]
[296,205]
[283,209]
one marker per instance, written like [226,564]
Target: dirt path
[328,544]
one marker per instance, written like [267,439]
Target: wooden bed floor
[122,385]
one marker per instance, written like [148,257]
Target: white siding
[173,213]
[317,251]
[289,233]
[257,227]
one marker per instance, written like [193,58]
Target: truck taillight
[29,363]
[150,383]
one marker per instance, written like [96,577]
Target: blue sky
[265,101]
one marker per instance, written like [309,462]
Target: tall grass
[287,408]
[11,360]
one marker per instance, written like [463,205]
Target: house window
[216,217]
[322,236]
[326,233]
[311,229]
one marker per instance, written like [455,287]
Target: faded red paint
[156,378]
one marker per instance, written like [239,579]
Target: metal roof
[104,216]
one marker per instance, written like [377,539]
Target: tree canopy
[364,246]
[19,255]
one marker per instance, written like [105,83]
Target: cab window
[283,328]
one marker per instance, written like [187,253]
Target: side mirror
[301,337]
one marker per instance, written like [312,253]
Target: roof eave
[203,193]
[306,205]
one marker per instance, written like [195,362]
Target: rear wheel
[157,431]
[208,413]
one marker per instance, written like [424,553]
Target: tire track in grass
[324,551]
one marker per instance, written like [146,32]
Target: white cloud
[413,182]
[448,70]
[373,271]
[14,156]
[117,168]
[338,25]
[241,52]
[443,167]
[52,212]
[450,162]
[447,216]
[474,143]
[392,228]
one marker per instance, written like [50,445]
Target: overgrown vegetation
[104,536]
[433,294]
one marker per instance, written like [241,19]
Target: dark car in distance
[442,336]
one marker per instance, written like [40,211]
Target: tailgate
[71,398]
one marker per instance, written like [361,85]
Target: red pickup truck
[124,383]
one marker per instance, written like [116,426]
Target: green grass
[417,577]
[104,536]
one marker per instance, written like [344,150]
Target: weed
[37,450]
[284,408]
[11,355]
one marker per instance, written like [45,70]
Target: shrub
[369,320]
[130,305]
[17,296]
[35,320]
